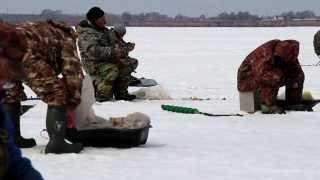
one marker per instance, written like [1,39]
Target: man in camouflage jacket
[101,56]
[52,70]
[270,66]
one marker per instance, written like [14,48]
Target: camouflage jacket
[95,46]
[55,44]
[262,67]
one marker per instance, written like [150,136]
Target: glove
[73,100]
[71,117]
[130,46]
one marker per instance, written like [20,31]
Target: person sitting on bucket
[101,58]
[270,66]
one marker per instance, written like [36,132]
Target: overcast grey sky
[170,7]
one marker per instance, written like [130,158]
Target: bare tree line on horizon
[157,18]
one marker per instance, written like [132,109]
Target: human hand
[130,46]
[73,100]
[71,117]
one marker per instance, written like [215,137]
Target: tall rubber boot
[14,111]
[294,100]
[293,95]
[120,90]
[56,118]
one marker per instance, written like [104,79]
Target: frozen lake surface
[200,62]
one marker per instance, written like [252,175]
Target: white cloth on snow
[87,119]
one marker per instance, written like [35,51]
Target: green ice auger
[188,110]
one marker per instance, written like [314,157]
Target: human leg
[42,79]
[104,81]
[268,95]
[126,67]
[12,106]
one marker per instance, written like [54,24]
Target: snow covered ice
[197,62]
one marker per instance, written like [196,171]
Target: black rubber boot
[14,111]
[125,97]
[56,118]
[120,90]
[294,95]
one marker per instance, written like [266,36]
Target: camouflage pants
[42,79]
[112,78]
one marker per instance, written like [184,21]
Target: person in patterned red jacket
[270,66]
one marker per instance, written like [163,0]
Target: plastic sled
[109,137]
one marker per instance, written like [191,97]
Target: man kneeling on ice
[270,66]
[103,58]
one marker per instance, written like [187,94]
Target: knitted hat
[94,13]
[120,29]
